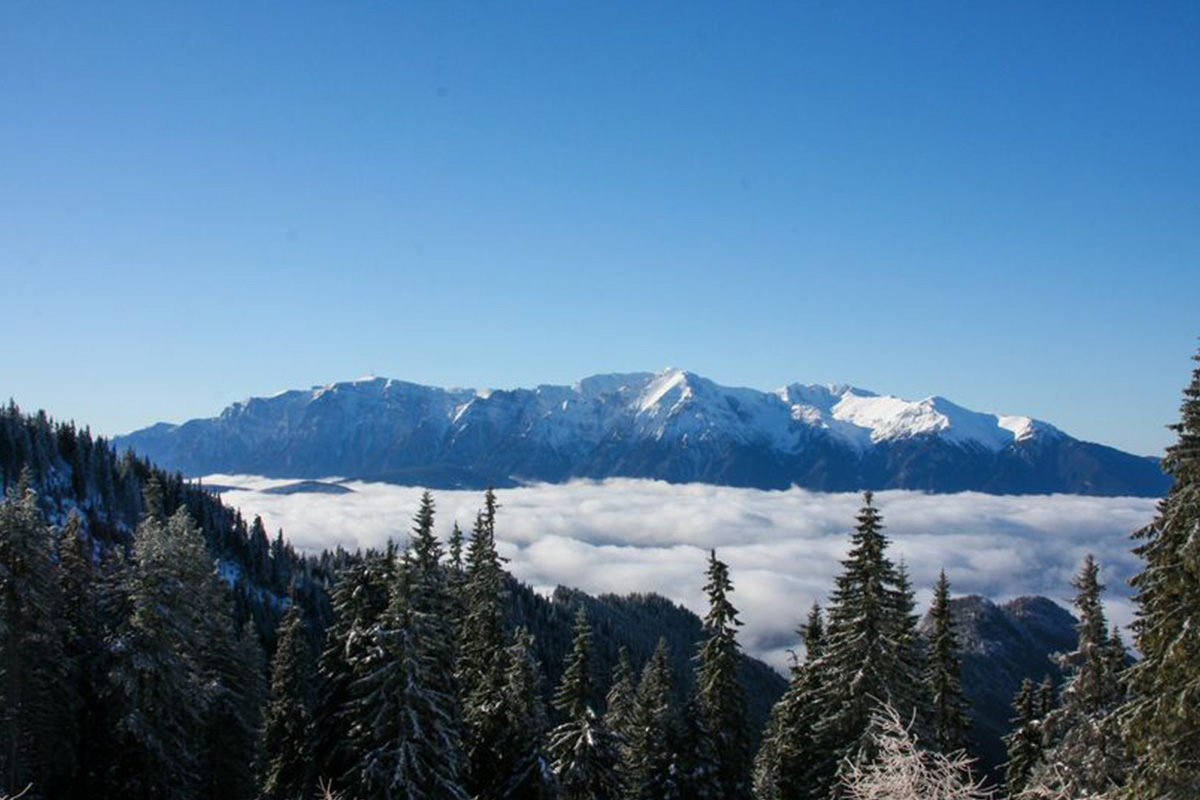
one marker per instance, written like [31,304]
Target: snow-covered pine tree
[949,722]
[583,751]
[789,755]
[649,760]
[404,727]
[870,655]
[1024,743]
[358,599]
[1163,713]
[157,680]
[233,664]
[37,693]
[481,665]
[1085,755]
[286,750]
[619,702]
[722,698]
[524,769]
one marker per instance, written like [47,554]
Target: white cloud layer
[783,547]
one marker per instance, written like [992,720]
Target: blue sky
[999,203]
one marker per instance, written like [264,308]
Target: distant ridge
[673,425]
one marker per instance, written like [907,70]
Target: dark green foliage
[788,756]
[1163,714]
[583,751]
[943,680]
[405,731]
[481,649]
[1024,744]
[649,761]
[37,689]
[523,768]
[286,751]
[722,699]
[870,655]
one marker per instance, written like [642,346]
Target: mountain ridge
[673,425]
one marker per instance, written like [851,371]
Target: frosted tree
[523,770]
[903,770]
[870,654]
[1024,743]
[649,763]
[286,752]
[404,729]
[583,750]
[1085,755]
[1163,715]
[943,675]
[789,755]
[620,700]
[36,690]
[481,647]
[722,700]
[157,679]
[358,599]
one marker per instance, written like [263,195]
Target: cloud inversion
[783,547]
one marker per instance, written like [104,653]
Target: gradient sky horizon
[998,203]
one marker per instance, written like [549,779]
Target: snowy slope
[674,425]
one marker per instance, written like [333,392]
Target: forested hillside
[138,617]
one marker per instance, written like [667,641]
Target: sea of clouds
[783,547]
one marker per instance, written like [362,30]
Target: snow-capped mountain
[673,425]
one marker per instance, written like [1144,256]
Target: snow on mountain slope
[673,425]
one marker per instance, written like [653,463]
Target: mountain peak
[672,425]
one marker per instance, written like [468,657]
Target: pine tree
[523,770]
[1086,755]
[943,675]
[85,653]
[156,681]
[234,666]
[722,699]
[649,763]
[583,750]
[1163,714]
[405,729]
[870,655]
[286,753]
[788,756]
[1024,744]
[37,692]
[620,701]
[481,649]
[358,599]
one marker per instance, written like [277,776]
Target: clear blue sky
[996,202]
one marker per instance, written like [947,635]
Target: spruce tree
[1085,755]
[481,649]
[649,762]
[358,599]
[870,655]
[722,699]
[583,750]
[620,701]
[523,769]
[157,682]
[1163,714]
[405,729]
[943,675]
[286,753]
[234,667]
[37,691]
[1024,743]
[788,756]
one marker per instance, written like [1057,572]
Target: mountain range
[673,425]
